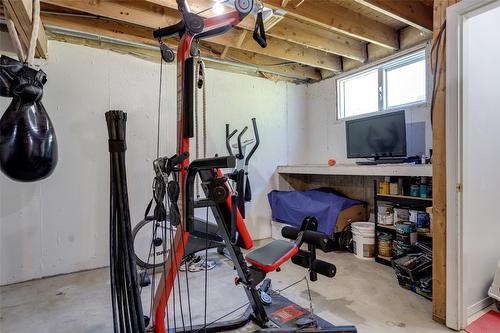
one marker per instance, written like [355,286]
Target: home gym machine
[275,315]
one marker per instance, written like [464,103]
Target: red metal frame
[164,289]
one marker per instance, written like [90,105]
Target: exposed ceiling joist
[412,12]
[143,35]
[280,49]
[21,11]
[318,38]
[340,19]
[291,31]
[153,16]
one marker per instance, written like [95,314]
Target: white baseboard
[482,304]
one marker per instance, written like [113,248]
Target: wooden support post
[439,172]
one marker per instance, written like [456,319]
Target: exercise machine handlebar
[170,31]
[240,148]
[228,139]
[257,141]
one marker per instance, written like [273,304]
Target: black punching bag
[28,145]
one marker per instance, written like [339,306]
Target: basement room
[249,166]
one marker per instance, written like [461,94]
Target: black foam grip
[169,31]
[301,259]
[179,158]
[290,232]
[318,239]
[324,268]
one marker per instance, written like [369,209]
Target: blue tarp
[291,207]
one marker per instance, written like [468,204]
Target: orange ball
[332,162]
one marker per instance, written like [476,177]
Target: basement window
[393,84]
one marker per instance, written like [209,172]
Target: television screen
[378,136]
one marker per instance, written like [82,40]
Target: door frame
[456,312]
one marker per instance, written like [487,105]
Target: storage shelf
[381,196]
[388,226]
[401,170]
[404,200]
[393,228]
[383,260]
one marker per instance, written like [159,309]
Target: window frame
[401,59]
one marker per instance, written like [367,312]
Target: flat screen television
[382,136]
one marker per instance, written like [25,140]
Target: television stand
[383,161]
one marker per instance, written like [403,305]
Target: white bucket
[363,235]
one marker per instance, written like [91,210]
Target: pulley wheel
[243,6]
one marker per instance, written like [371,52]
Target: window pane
[360,94]
[406,84]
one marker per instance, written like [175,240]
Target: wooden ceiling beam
[152,15]
[280,49]
[136,34]
[412,12]
[21,12]
[289,30]
[318,38]
[340,19]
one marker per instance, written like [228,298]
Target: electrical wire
[436,47]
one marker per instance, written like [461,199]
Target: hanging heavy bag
[28,145]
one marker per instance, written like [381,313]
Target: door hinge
[458,187]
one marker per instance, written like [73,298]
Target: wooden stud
[224,53]
[439,173]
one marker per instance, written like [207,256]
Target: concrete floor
[363,293]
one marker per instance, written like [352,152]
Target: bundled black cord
[127,306]
[345,239]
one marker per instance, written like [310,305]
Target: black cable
[221,317]
[127,305]
[172,254]
[159,110]
[111,251]
[206,271]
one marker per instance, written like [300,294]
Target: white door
[473,156]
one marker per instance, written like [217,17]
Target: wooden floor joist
[290,30]
[412,12]
[143,35]
[153,16]
[335,17]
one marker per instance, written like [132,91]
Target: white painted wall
[60,224]
[480,159]
[319,136]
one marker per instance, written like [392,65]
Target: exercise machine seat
[269,257]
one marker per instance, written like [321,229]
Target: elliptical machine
[240,174]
